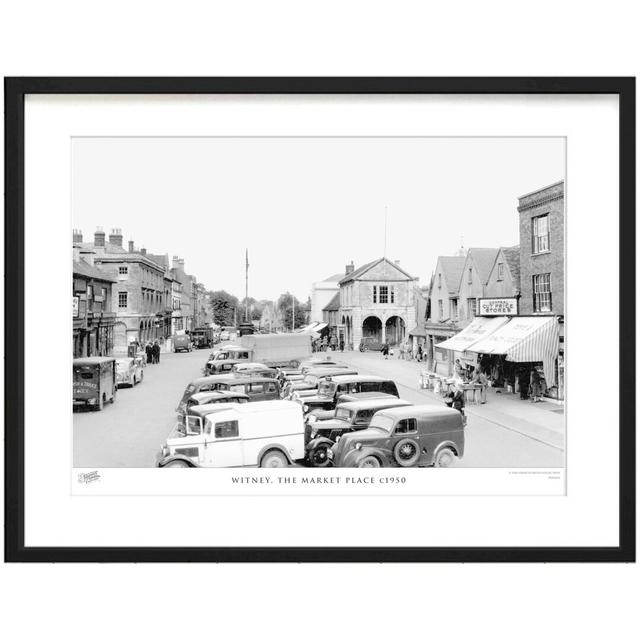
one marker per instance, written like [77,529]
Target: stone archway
[372,328]
[395,330]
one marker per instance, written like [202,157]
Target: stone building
[504,279]
[138,289]
[322,293]
[473,282]
[93,319]
[377,301]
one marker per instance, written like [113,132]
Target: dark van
[182,343]
[94,382]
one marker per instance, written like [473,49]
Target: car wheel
[406,452]
[444,458]
[274,459]
[369,462]
[318,456]
[177,464]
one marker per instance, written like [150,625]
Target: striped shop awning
[525,339]
[478,329]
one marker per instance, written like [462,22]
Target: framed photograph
[320,319]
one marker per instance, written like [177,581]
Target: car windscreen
[327,389]
[385,423]
[343,414]
[84,372]
[188,392]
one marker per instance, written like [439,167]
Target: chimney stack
[116,237]
[143,252]
[77,236]
[175,262]
[131,250]
[98,238]
[349,268]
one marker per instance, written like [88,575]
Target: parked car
[128,372]
[215,397]
[370,344]
[263,434]
[94,382]
[414,436]
[321,435]
[330,390]
[256,387]
[233,352]
[219,367]
[254,369]
[182,343]
[312,379]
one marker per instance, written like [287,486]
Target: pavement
[505,432]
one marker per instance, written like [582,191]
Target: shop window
[122,299]
[540,234]
[542,293]
[384,294]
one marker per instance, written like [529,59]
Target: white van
[257,434]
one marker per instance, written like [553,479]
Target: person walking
[156,352]
[480,378]
[385,350]
[149,351]
[341,345]
[455,398]
[536,386]
[419,354]
[333,341]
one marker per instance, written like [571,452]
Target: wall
[504,288]
[551,201]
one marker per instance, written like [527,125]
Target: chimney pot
[116,237]
[98,238]
[349,268]
[130,246]
[77,235]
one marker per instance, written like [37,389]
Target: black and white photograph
[320,302]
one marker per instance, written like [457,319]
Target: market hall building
[375,302]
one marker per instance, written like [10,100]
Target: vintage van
[260,434]
[94,381]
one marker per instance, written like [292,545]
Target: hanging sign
[498,307]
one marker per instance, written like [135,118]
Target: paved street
[129,432]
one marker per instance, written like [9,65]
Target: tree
[223,307]
[285,307]
[255,308]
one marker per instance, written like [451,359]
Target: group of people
[152,350]
[325,343]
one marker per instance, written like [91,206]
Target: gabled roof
[483,260]
[84,269]
[334,303]
[512,256]
[452,267]
[364,268]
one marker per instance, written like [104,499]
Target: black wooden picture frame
[15,91]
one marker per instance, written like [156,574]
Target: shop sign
[498,307]
[76,307]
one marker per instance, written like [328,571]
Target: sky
[306,207]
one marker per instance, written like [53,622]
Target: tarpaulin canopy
[478,329]
[525,339]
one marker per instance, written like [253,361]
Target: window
[375,294]
[271,387]
[384,294]
[471,308]
[255,389]
[500,270]
[542,292]
[122,300]
[89,292]
[410,425]
[393,294]
[123,271]
[439,281]
[440,310]
[388,386]
[540,234]
[453,308]
[470,280]
[227,429]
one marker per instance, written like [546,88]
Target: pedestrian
[324,343]
[456,398]
[341,345]
[480,378]
[523,382]
[459,371]
[149,351]
[419,354]
[333,342]
[536,386]
[385,350]
[156,352]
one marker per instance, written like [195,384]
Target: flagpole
[246,286]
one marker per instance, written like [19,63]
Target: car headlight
[312,419]
[306,408]
[358,445]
